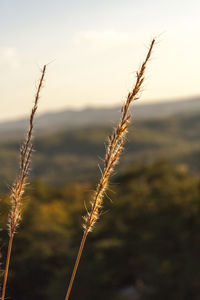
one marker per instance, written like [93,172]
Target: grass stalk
[113,151]
[19,185]
[76,264]
[7,267]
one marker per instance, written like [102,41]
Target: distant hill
[49,123]
[73,155]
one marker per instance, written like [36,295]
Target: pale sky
[95,48]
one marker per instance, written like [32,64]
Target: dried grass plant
[113,150]
[20,183]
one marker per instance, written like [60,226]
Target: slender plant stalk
[114,148]
[76,264]
[7,266]
[18,187]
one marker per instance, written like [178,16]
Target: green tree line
[147,242]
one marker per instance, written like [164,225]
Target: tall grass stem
[76,264]
[19,185]
[113,150]
[7,267]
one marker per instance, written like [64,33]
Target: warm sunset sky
[95,47]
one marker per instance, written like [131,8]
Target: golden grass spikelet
[114,148]
[18,188]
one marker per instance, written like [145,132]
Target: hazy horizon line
[90,106]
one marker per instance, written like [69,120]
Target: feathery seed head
[114,148]
[26,150]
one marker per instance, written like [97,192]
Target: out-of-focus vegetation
[73,154]
[146,244]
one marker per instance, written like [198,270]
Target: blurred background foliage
[146,244]
[71,155]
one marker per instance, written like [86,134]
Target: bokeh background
[146,244]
